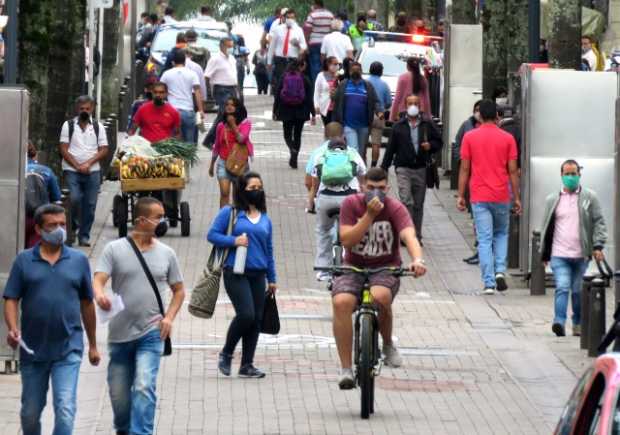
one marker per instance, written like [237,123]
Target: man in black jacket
[411,145]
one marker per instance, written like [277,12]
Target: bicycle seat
[333,212]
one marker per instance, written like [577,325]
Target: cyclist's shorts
[353,283]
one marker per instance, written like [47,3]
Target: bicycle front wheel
[366,364]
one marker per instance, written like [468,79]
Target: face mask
[158,101]
[477,116]
[148,95]
[356,75]
[413,110]
[375,193]
[55,237]
[230,51]
[289,22]
[84,116]
[571,182]
[501,101]
[255,197]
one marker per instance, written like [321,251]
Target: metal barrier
[537,275]
[513,241]
[585,311]
[454,172]
[596,328]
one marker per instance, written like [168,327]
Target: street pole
[11,59]
[100,75]
[91,47]
[534,31]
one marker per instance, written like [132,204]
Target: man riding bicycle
[371,228]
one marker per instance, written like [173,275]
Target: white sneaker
[488,291]
[323,276]
[391,356]
[346,380]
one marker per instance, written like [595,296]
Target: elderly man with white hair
[336,44]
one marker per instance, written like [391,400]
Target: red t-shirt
[380,247]
[489,149]
[157,122]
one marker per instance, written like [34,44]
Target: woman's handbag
[204,295]
[237,160]
[271,318]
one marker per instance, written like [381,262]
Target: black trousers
[292,133]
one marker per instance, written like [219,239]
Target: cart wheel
[185,219]
[122,219]
[116,217]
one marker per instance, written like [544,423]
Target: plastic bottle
[240,256]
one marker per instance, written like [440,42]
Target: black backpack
[72,128]
[36,192]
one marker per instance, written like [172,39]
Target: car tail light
[418,39]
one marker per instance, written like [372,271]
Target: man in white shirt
[83,144]
[183,92]
[337,44]
[205,14]
[287,42]
[587,53]
[169,17]
[317,25]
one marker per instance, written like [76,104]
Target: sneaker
[84,243]
[488,291]
[323,276]
[558,330]
[249,371]
[473,260]
[224,363]
[576,330]
[391,356]
[500,282]
[346,380]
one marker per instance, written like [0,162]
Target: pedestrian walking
[318,25]
[181,44]
[402,23]
[412,79]
[573,232]
[199,54]
[293,105]
[356,32]
[259,60]
[52,284]
[265,38]
[488,165]
[253,230]
[206,14]
[157,119]
[243,66]
[83,144]
[412,143]
[337,44]
[325,89]
[169,16]
[183,93]
[372,21]
[355,106]
[287,43]
[142,270]
[233,130]
[384,96]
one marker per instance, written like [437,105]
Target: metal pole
[100,75]
[91,47]
[11,58]
[585,311]
[537,277]
[534,30]
[596,330]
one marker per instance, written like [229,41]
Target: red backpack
[293,91]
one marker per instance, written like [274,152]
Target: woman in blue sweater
[252,229]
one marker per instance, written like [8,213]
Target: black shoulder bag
[149,275]
[432,173]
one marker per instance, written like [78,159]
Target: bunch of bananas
[155,167]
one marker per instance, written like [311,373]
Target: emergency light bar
[415,38]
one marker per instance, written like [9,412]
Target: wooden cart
[167,189]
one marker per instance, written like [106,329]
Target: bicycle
[366,353]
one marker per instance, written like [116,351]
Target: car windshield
[209,39]
[392,65]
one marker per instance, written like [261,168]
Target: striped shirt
[319,23]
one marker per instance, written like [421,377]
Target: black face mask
[148,95]
[356,75]
[158,101]
[255,197]
[84,117]
[161,229]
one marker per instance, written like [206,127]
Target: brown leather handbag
[237,161]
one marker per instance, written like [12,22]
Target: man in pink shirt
[488,164]
[573,231]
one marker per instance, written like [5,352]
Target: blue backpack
[293,91]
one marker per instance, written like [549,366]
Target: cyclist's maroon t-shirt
[380,247]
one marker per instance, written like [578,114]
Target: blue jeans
[568,274]
[357,138]
[36,376]
[247,294]
[188,125]
[315,61]
[132,378]
[491,221]
[84,190]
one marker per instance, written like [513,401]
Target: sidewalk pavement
[473,364]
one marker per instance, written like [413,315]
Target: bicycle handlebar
[339,270]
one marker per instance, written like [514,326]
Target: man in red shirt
[157,119]
[371,228]
[489,164]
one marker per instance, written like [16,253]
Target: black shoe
[249,371]
[558,330]
[85,243]
[500,282]
[472,260]
[223,363]
[122,432]
[293,160]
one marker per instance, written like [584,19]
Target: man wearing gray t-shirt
[137,333]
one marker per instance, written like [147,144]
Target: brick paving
[472,364]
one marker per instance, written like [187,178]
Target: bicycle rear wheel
[366,364]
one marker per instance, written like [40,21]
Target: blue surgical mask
[230,51]
[56,237]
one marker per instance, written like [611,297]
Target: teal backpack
[338,166]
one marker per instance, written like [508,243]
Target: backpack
[293,91]
[337,167]
[72,128]
[36,192]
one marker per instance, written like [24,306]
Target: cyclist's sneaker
[323,276]
[391,356]
[249,371]
[488,291]
[346,380]
[500,281]
[223,363]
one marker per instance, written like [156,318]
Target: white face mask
[413,110]
[289,22]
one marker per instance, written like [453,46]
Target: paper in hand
[24,346]
[116,306]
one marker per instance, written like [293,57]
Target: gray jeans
[412,191]
[324,226]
